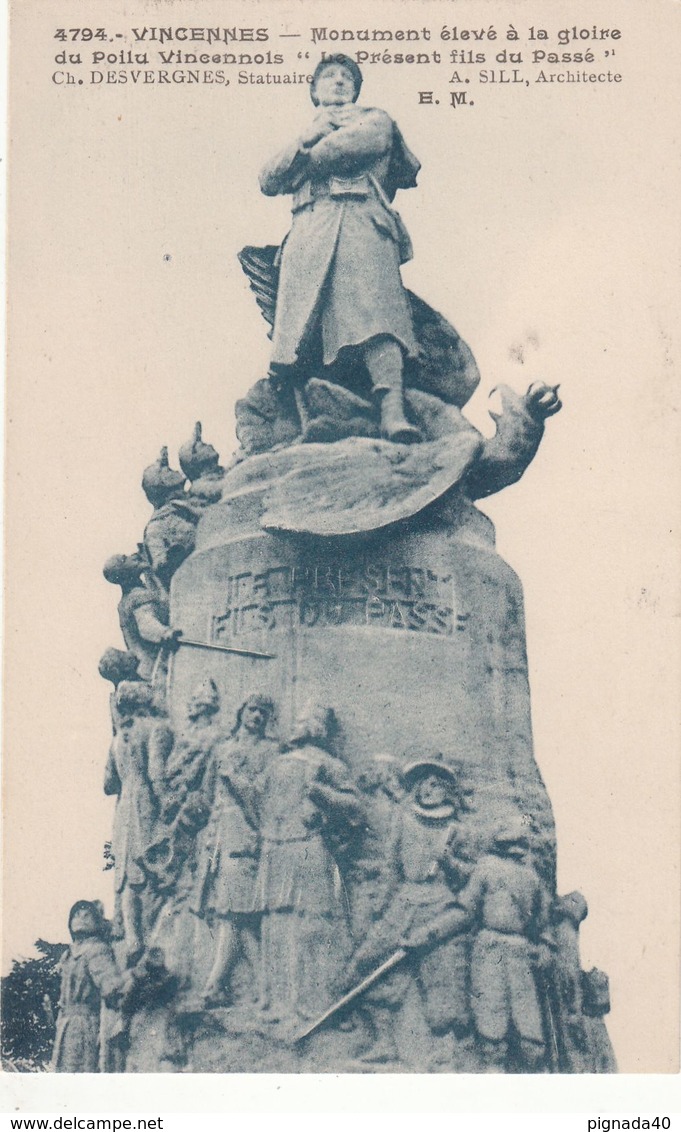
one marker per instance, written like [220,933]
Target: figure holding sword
[506,904]
[421,882]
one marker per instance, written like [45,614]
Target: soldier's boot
[383,359]
[216,991]
[394,424]
[382,1047]
[493,1055]
[532,1056]
[131,907]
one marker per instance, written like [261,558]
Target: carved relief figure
[508,905]
[229,863]
[142,612]
[582,997]
[116,665]
[172,861]
[567,913]
[129,776]
[596,1004]
[87,1041]
[170,865]
[170,534]
[382,790]
[186,752]
[339,281]
[419,906]
[309,810]
[200,462]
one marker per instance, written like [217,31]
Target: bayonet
[225,648]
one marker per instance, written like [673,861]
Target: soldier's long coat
[88,975]
[508,900]
[340,263]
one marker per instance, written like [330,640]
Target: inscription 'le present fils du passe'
[386,596]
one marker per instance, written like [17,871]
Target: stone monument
[333,849]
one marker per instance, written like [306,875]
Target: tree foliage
[29,997]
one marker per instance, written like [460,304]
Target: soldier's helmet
[424,768]
[135,697]
[333,61]
[433,789]
[571,907]
[204,697]
[263,703]
[513,831]
[121,569]
[117,665]
[316,724]
[95,911]
[196,457]
[160,482]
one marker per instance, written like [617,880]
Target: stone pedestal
[413,633]
[419,834]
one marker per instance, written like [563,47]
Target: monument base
[375,888]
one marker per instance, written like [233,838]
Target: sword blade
[369,981]
[225,648]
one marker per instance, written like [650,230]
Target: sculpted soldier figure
[347,337]
[582,998]
[170,865]
[186,751]
[509,905]
[90,981]
[172,861]
[309,809]
[130,776]
[200,462]
[116,665]
[339,282]
[596,1004]
[420,893]
[142,612]
[567,913]
[382,790]
[170,534]
[228,867]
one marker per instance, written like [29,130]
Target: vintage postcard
[341,636]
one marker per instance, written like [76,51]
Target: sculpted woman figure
[309,812]
[228,865]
